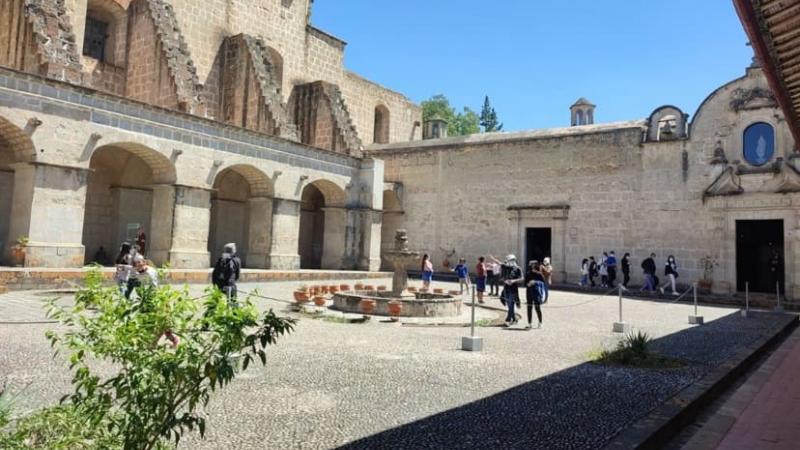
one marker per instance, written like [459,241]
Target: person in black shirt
[226,271]
[626,270]
[511,274]
[649,268]
[534,292]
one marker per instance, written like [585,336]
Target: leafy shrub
[634,350]
[158,386]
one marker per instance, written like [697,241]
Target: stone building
[202,122]
[725,185]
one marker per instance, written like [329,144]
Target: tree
[458,124]
[489,120]
[154,393]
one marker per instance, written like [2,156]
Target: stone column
[192,214]
[47,207]
[370,254]
[259,231]
[159,241]
[337,237]
[284,249]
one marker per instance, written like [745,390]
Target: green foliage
[458,124]
[634,351]
[5,408]
[22,241]
[488,118]
[160,383]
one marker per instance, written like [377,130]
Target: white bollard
[621,326]
[695,319]
[778,306]
[472,343]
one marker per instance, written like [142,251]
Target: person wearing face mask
[671,272]
[512,278]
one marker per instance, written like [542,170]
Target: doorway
[759,255]
[538,242]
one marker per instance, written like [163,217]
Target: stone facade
[653,185]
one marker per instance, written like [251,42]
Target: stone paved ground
[383,385]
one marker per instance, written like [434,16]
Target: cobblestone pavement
[383,385]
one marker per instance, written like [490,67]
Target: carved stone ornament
[752,99]
[786,180]
[719,154]
[727,183]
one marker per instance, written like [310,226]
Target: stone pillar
[191,217]
[47,207]
[259,231]
[284,249]
[370,254]
[159,241]
[337,236]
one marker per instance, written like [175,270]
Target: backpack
[224,270]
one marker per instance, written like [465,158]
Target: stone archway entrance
[123,194]
[323,221]
[15,206]
[241,213]
[6,194]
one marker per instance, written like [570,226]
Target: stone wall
[603,187]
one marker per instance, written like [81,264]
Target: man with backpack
[226,271]
[649,269]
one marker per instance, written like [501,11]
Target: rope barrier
[597,298]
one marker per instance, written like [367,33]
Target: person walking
[492,275]
[141,240]
[547,272]
[480,278]
[602,269]
[626,270]
[671,272]
[584,273]
[142,276]
[592,270]
[427,271]
[535,292]
[227,271]
[462,271]
[649,269]
[512,277]
[124,266]
[611,266]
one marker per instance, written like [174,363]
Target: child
[463,275]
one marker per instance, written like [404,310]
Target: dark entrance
[537,243]
[759,255]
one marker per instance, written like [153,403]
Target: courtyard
[380,384]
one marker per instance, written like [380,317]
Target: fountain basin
[415,305]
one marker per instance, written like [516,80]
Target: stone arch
[579,117]
[121,197]
[15,147]
[241,212]
[110,16]
[323,221]
[382,125]
[392,221]
[277,66]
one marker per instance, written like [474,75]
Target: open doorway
[759,255]
[538,242]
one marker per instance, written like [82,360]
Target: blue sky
[534,58]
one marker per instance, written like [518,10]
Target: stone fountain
[421,304]
[399,259]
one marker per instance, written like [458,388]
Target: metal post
[746,299]
[695,319]
[778,306]
[620,327]
[472,320]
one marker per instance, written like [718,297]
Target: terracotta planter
[301,296]
[412,289]
[312,291]
[381,288]
[424,290]
[454,292]
[18,255]
[438,291]
[359,287]
[333,289]
[704,285]
[322,289]
[369,287]
[367,305]
[319,300]
[344,287]
[395,308]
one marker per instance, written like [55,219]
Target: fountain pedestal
[399,259]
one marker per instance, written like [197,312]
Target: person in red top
[480,278]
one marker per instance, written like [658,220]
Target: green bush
[153,396]
[634,350]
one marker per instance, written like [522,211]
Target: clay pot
[369,287]
[424,290]
[319,300]
[395,308]
[359,286]
[18,255]
[412,289]
[381,288]
[322,289]
[704,285]
[438,291]
[300,296]
[344,287]
[367,305]
[333,289]
[454,292]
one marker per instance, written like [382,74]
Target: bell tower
[582,112]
